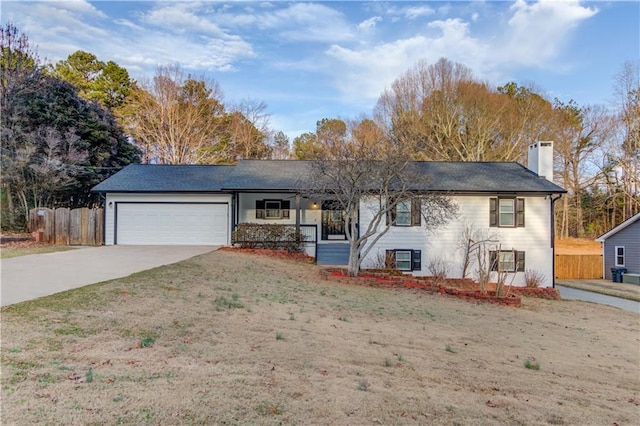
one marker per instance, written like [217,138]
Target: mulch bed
[465,289]
[461,288]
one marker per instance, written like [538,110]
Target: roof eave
[618,228]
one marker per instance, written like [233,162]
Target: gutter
[553,239]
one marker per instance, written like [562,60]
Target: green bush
[269,236]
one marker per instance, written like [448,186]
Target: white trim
[618,228]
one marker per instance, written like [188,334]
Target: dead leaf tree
[356,173]
[176,119]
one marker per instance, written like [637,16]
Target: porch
[282,220]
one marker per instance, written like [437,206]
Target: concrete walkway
[569,293]
[624,290]
[33,276]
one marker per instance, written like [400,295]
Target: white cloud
[366,72]
[127,23]
[369,24]
[81,7]
[410,12]
[417,12]
[307,22]
[537,32]
[531,35]
[181,18]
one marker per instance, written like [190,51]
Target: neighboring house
[164,204]
[621,247]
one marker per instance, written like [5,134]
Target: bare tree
[279,146]
[177,119]
[627,151]
[248,130]
[447,114]
[472,242]
[581,134]
[378,176]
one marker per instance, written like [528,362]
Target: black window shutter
[520,261]
[493,212]
[390,259]
[259,209]
[520,212]
[416,212]
[416,260]
[493,260]
[286,204]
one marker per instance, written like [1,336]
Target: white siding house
[533,239]
[513,204]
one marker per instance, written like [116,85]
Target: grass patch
[147,341]
[266,408]
[223,304]
[9,252]
[449,349]
[532,365]
[324,372]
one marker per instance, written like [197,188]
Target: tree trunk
[353,267]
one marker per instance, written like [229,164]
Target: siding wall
[109,210]
[534,239]
[308,214]
[629,237]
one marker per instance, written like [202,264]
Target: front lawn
[232,338]
[21,249]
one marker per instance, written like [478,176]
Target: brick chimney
[540,159]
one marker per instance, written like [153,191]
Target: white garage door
[172,223]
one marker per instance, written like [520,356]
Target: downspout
[103,196]
[234,196]
[553,239]
[298,213]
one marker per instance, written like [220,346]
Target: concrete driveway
[37,275]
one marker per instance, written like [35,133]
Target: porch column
[298,212]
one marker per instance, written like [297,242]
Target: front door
[332,222]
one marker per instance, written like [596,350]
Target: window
[506,212]
[506,260]
[406,213]
[272,209]
[404,260]
[403,213]
[619,255]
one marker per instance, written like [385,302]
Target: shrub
[534,278]
[268,236]
[439,269]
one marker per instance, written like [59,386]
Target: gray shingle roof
[287,175]
[166,178]
[282,175]
[484,177]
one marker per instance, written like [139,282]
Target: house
[179,204]
[621,249]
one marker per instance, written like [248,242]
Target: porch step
[332,254]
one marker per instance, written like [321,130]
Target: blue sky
[311,60]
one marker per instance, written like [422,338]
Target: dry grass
[577,246]
[16,249]
[197,343]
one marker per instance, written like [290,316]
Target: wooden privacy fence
[83,226]
[578,266]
